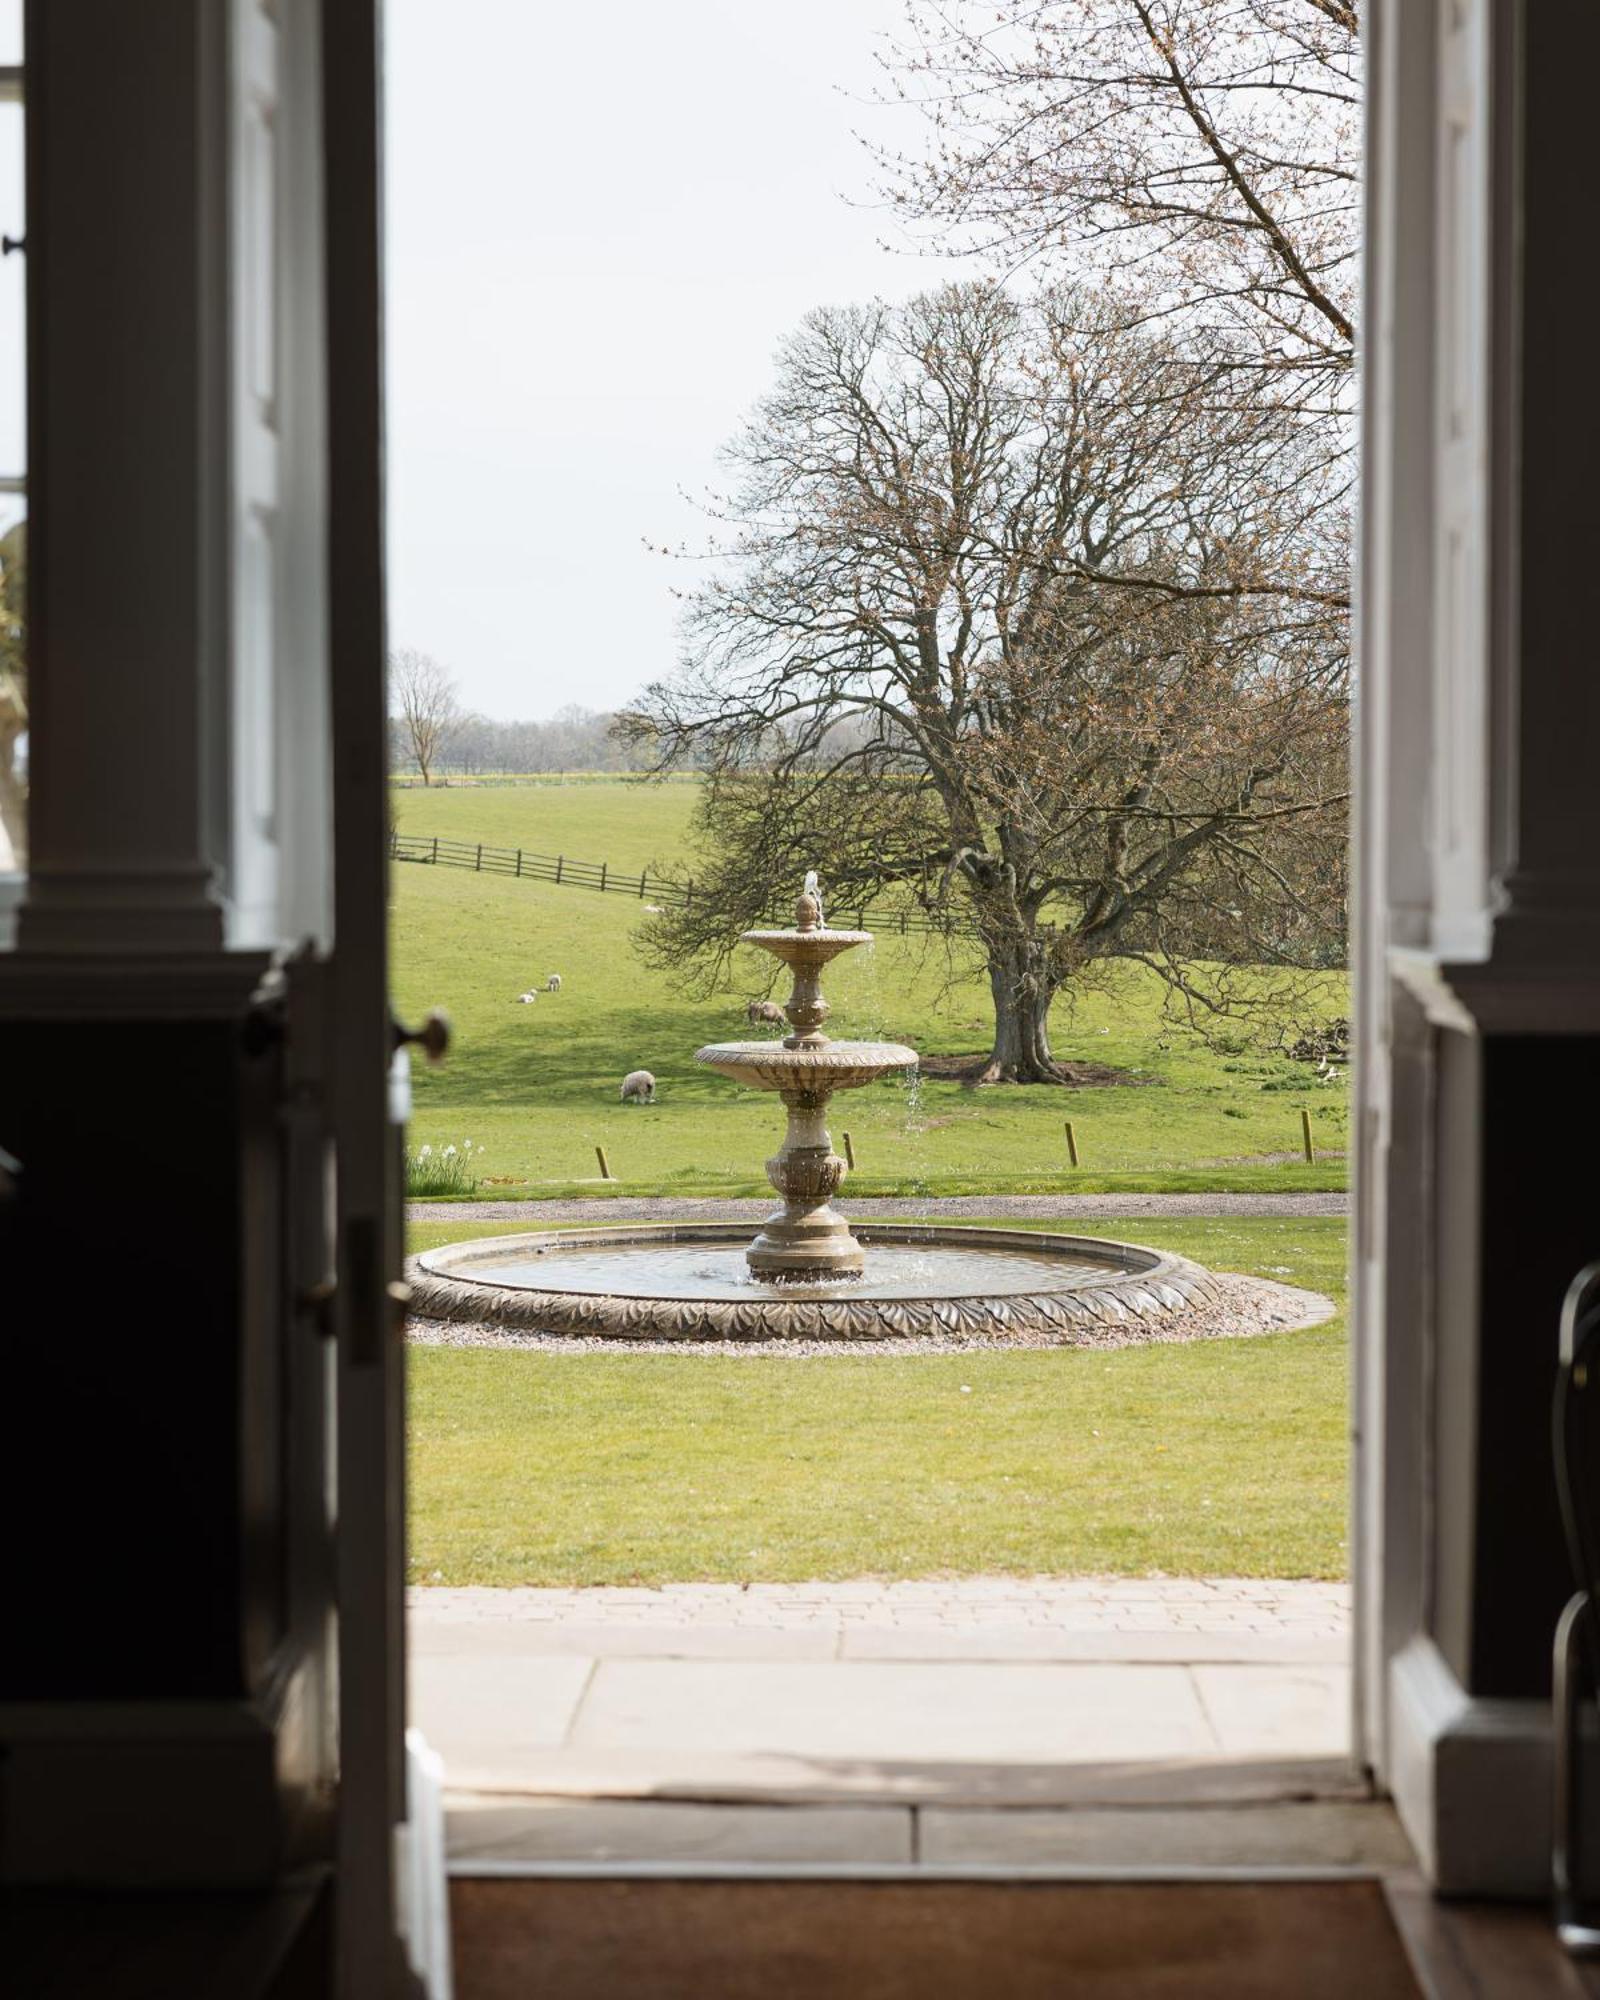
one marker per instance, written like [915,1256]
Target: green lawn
[536,1087]
[626,821]
[1222,1458]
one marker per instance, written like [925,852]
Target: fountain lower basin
[690,1281]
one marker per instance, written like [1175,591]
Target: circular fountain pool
[692,1282]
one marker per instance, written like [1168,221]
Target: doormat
[719,1940]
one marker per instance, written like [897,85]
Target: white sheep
[553,983]
[758,1011]
[526,999]
[638,1087]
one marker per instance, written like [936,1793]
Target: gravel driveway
[1030,1207]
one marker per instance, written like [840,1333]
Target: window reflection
[13,456]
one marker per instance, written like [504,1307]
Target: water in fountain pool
[705,1271]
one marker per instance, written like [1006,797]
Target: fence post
[605,1168]
[436,847]
[688,893]
[1305,1138]
[478,864]
[642,873]
[519,863]
[1072,1144]
[560,859]
[603,867]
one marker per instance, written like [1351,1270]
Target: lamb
[553,983]
[762,1010]
[526,999]
[638,1087]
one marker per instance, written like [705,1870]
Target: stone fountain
[806,1276]
[807,1239]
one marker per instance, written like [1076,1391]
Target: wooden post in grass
[1072,1143]
[1305,1138]
[519,864]
[849,1153]
[479,862]
[603,867]
[605,1164]
[561,860]
[641,884]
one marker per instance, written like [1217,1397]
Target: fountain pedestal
[807,1238]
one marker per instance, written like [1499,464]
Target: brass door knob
[433,1037]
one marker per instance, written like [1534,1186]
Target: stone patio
[977,1721]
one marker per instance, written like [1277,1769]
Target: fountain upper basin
[811,948]
[820,1065]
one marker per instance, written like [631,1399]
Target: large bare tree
[424,695]
[1201,155]
[1017,617]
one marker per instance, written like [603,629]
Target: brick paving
[1109,1605]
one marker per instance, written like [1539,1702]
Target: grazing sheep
[553,983]
[653,909]
[638,1087]
[762,1010]
[526,999]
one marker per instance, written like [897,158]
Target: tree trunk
[1020,983]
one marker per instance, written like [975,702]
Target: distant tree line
[431,736]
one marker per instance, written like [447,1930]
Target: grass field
[1221,1458]
[536,1087]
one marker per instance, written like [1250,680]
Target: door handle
[433,1037]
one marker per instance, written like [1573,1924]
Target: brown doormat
[660,1940]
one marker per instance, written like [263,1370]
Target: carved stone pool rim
[1151,1285]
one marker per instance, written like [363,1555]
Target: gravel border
[1032,1207]
[1245,1308]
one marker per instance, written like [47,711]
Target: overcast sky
[601,221]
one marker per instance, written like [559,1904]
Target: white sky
[601,221]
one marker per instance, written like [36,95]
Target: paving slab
[1260,1711]
[954,1712]
[776,1779]
[1322,1833]
[483,1706]
[482,1827]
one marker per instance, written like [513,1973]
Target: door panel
[370,1549]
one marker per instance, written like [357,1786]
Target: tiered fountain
[806,1276]
[808,1238]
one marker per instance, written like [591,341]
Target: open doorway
[877,1582]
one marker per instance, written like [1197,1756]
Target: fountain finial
[808,909]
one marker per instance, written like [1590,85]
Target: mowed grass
[632,823]
[1221,1458]
[537,1087]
